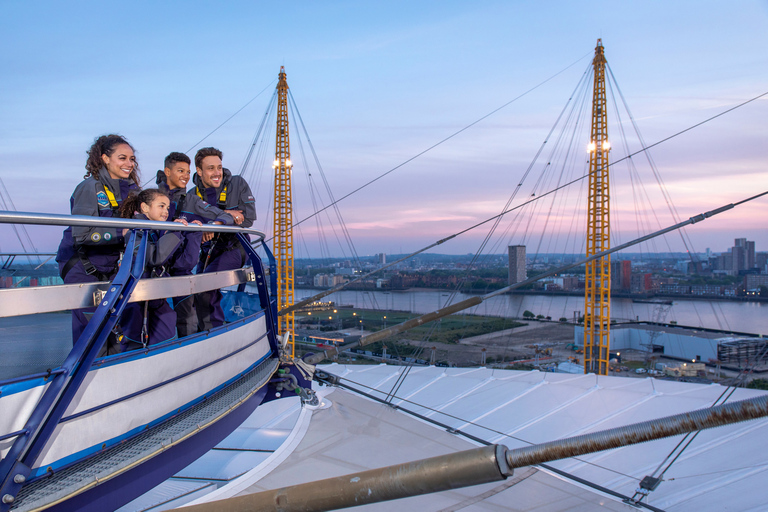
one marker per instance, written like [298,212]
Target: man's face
[178,175]
[211,172]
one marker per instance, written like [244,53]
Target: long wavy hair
[106,145]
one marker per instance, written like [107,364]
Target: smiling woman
[91,254]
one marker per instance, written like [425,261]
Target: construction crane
[282,242]
[597,289]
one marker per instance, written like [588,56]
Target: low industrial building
[688,344]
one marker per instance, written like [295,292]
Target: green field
[450,329]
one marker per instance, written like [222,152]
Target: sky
[378,83]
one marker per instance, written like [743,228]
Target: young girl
[154,321]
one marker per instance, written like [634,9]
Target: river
[749,317]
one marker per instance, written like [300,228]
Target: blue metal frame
[42,422]
[15,468]
[268,302]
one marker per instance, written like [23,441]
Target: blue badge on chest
[102,199]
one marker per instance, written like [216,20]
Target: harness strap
[111,197]
[89,268]
[222,197]
[144,329]
[179,206]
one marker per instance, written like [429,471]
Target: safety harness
[82,256]
[222,242]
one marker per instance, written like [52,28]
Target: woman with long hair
[91,254]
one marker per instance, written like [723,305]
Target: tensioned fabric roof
[721,469]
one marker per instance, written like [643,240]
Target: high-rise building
[621,275]
[517,271]
[743,251]
[738,258]
[750,256]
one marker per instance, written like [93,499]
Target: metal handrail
[53,219]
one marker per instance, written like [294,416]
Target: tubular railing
[52,219]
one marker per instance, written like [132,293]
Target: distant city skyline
[378,84]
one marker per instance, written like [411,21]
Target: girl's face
[121,163]
[157,209]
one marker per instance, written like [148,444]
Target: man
[217,186]
[173,180]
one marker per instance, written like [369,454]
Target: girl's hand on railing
[181,221]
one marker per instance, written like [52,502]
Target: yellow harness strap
[111,197]
[222,196]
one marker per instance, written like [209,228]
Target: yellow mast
[282,245]
[597,289]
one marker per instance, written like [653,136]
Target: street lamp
[385,321]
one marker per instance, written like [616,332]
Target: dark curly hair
[131,203]
[106,145]
[204,152]
[175,158]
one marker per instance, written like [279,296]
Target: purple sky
[377,84]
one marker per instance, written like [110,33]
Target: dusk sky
[377,84]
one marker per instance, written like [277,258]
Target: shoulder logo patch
[96,237]
[102,199]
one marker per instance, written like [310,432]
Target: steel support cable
[315,195]
[218,127]
[342,224]
[458,418]
[633,169]
[270,84]
[474,301]
[297,114]
[652,163]
[685,442]
[522,205]
[567,150]
[257,143]
[7,203]
[480,465]
[580,85]
[449,137]
[729,470]
[577,113]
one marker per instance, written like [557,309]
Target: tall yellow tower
[597,294]
[282,242]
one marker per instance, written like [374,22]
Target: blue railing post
[18,462]
[265,300]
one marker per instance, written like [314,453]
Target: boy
[173,180]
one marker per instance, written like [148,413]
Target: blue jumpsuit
[89,255]
[153,321]
[189,207]
[224,252]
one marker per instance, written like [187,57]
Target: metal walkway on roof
[122,457]
[253,443]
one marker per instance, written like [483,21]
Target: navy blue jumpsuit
[88,255]
[224,252]
[189,207]
[154,321]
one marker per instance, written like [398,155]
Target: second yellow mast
[597,284]
[282,242]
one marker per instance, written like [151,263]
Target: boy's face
[178,175]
